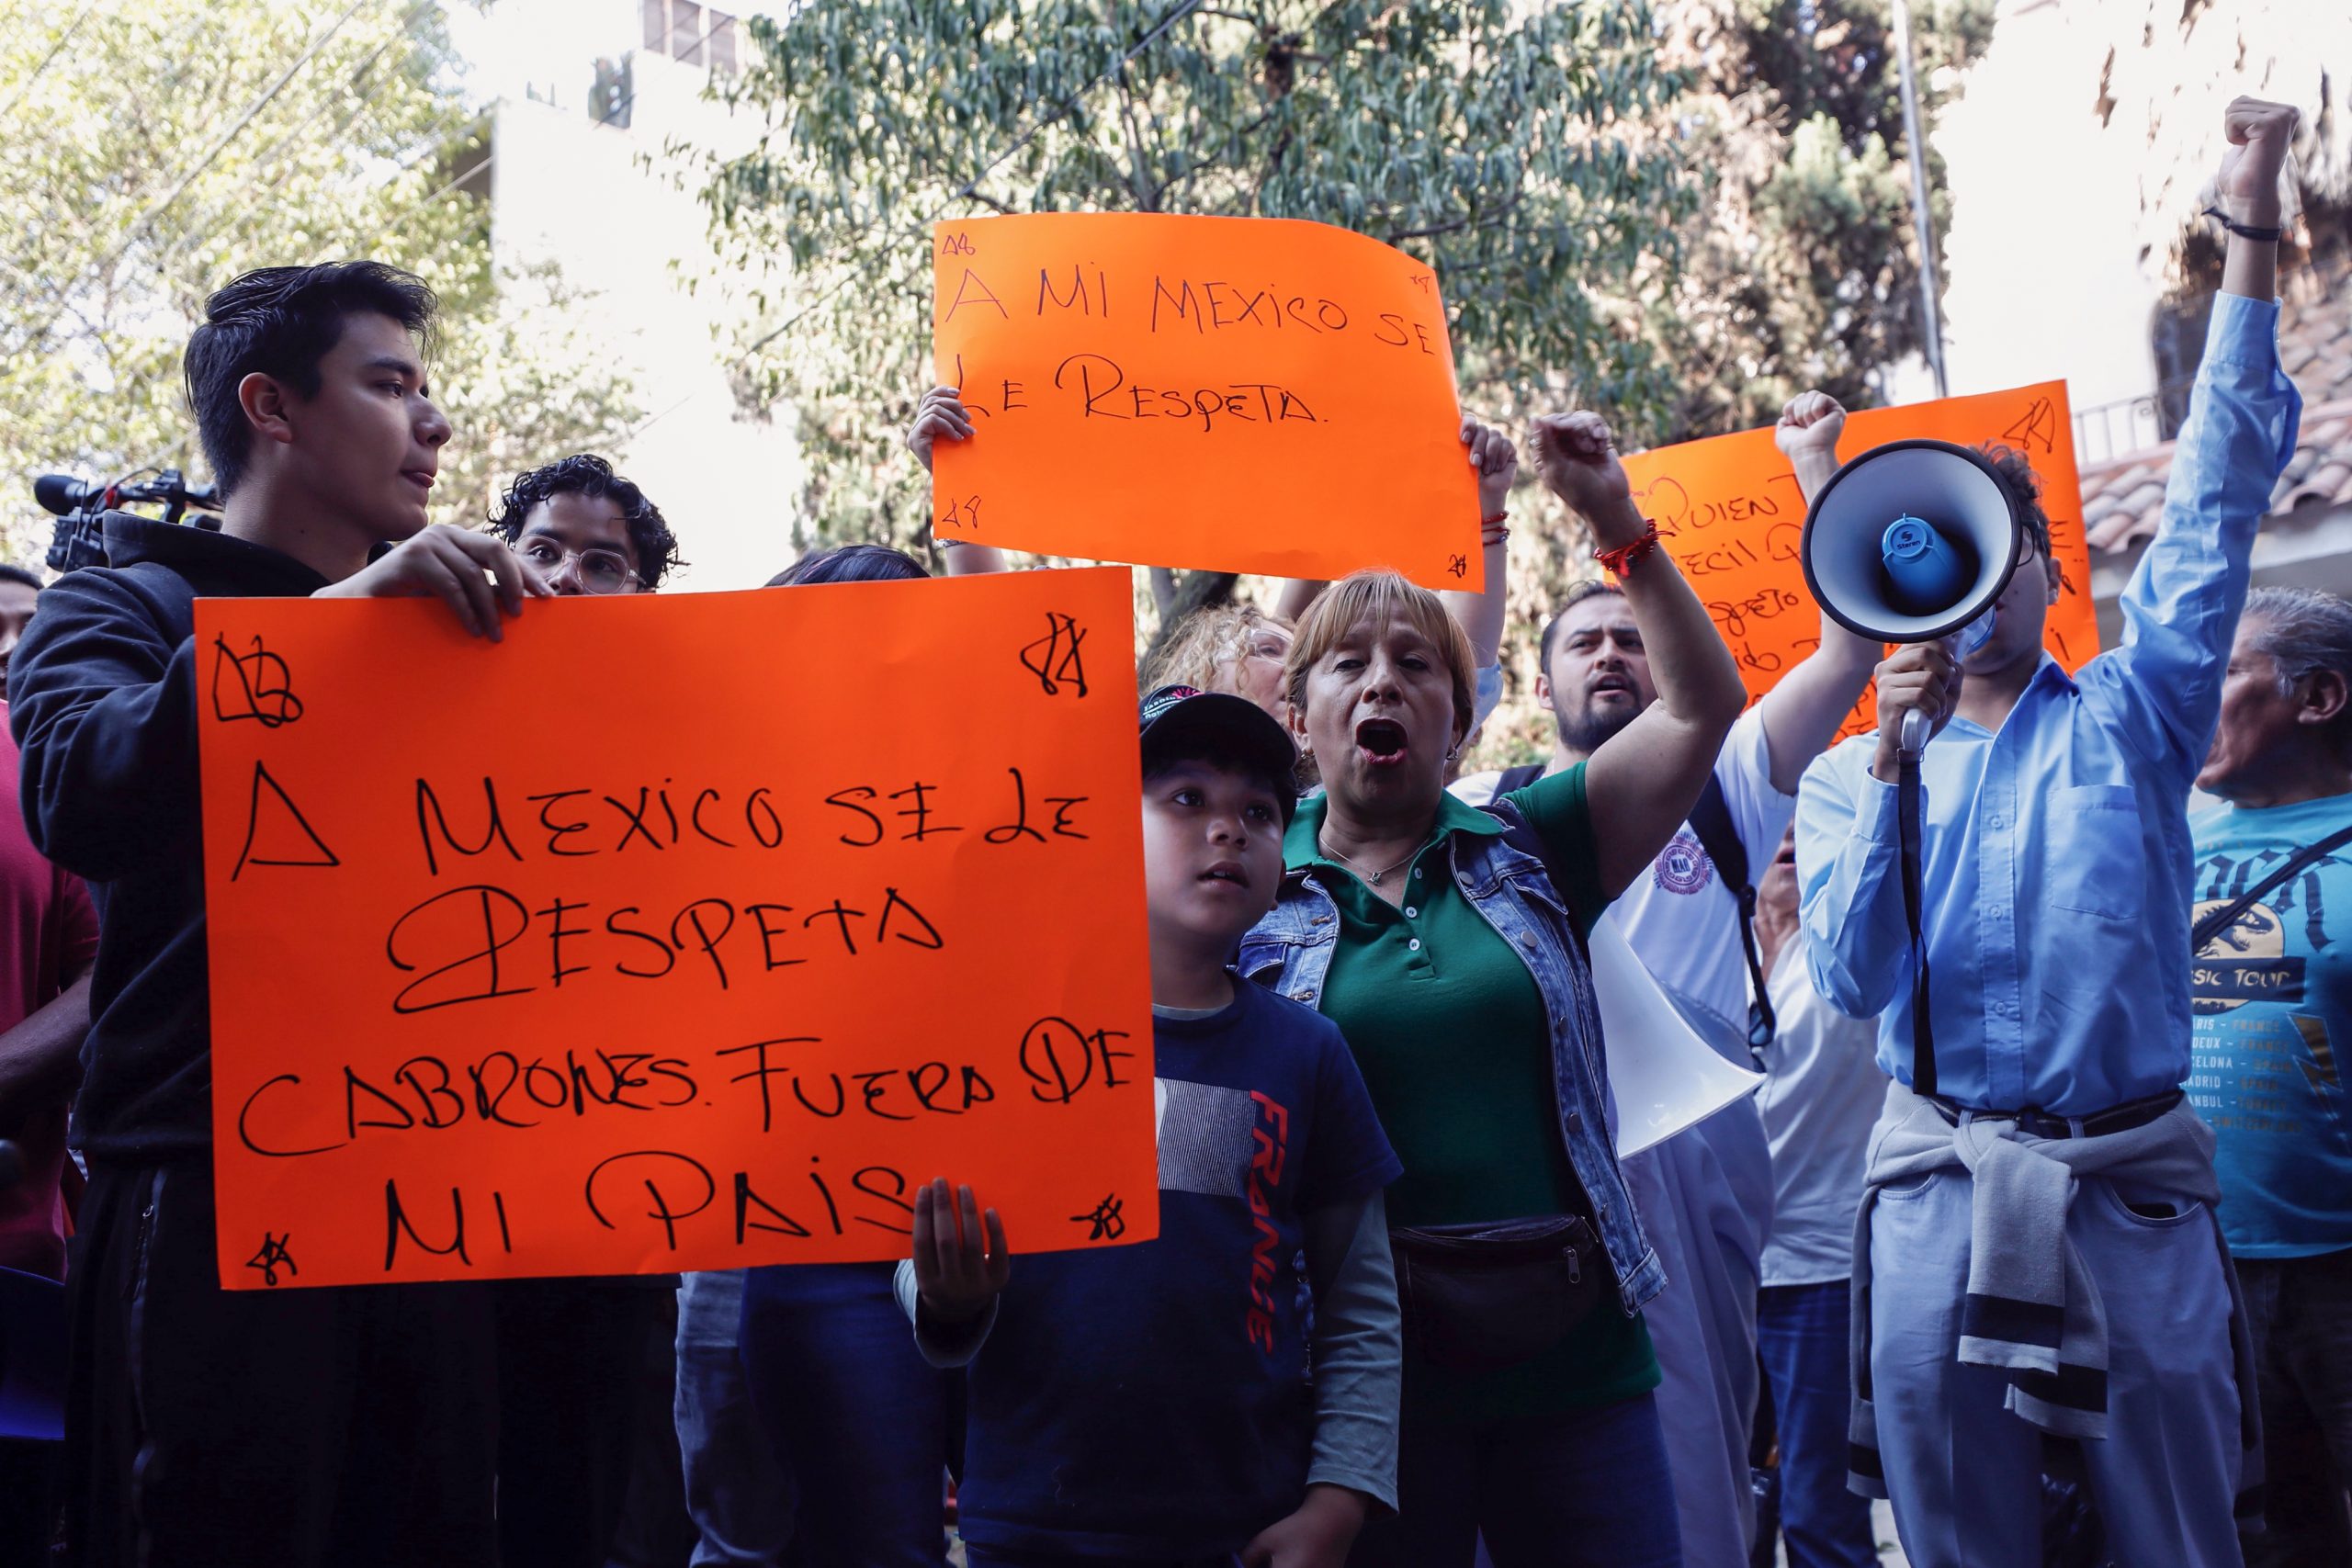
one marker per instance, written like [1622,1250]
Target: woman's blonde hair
[1205,643]
[1383,597]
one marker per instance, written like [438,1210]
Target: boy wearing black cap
[1151,1404]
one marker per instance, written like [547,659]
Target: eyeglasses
[601,570]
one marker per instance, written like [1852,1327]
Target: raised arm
[2162,682]
[1802,713]
[1481,614]
[1641,783]
[941,414]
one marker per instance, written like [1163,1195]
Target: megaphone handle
[1914,739]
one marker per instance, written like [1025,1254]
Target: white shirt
[1822,1094]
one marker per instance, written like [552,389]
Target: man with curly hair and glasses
[587,529]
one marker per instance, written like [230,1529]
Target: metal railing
[2107,431]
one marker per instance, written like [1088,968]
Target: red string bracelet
[1617,563]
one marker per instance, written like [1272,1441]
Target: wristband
[2245,231]
[1619,561]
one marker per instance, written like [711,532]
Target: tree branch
[1163,592]
[1197,590]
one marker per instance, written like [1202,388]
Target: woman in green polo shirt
[1447,943]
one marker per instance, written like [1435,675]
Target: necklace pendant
[1377,876]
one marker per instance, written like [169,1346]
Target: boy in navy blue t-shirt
[1151,1404]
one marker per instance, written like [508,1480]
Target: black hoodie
[102,696]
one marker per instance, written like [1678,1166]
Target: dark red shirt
[49,935]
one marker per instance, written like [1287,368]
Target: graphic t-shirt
[1152,1401]
[2273,1001]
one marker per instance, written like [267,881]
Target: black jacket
[102,697]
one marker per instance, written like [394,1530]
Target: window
[690,33]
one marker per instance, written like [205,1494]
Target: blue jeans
[1802,1333]
[1582,1489]
[1964,1474]
[738,1495]
[867,1427]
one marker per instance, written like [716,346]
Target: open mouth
[1226,871]
[1617,684]
[1382,740]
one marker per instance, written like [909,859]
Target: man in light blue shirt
[2055,862]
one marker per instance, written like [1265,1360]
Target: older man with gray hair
[2271,985]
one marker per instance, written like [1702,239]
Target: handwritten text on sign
[678,932]
[1730,513]
[1241,394]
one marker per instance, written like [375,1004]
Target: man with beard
[1706,1194]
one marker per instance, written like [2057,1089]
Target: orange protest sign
[1730,513]
[1241,394]
[647,941]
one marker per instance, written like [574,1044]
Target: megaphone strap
[1907,816]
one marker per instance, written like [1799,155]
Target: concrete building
[585,98]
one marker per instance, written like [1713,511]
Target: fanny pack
[1479,1298]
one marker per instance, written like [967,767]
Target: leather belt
[2042,1125]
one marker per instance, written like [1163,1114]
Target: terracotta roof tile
[2123,497]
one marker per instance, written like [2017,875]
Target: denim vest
[1291,949]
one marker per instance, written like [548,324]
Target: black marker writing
[1055,658]
[272,1256]
[255,685]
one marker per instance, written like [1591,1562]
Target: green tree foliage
[150,153]
[1801,268]
[1682,211]
[1514,146]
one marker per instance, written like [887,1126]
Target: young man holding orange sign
[1151,1405]
[294,1428]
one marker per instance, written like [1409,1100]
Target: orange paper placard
[684,931]
[1730,512]
[1240,394]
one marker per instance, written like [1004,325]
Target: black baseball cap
[1222,728]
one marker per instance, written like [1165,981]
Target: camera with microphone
[81,511]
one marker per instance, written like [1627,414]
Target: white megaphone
[1910,542]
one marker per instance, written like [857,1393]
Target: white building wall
[568,190]
[2045,279]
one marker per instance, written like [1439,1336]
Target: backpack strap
[1711,821]
[1518,778]
[2216,921]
